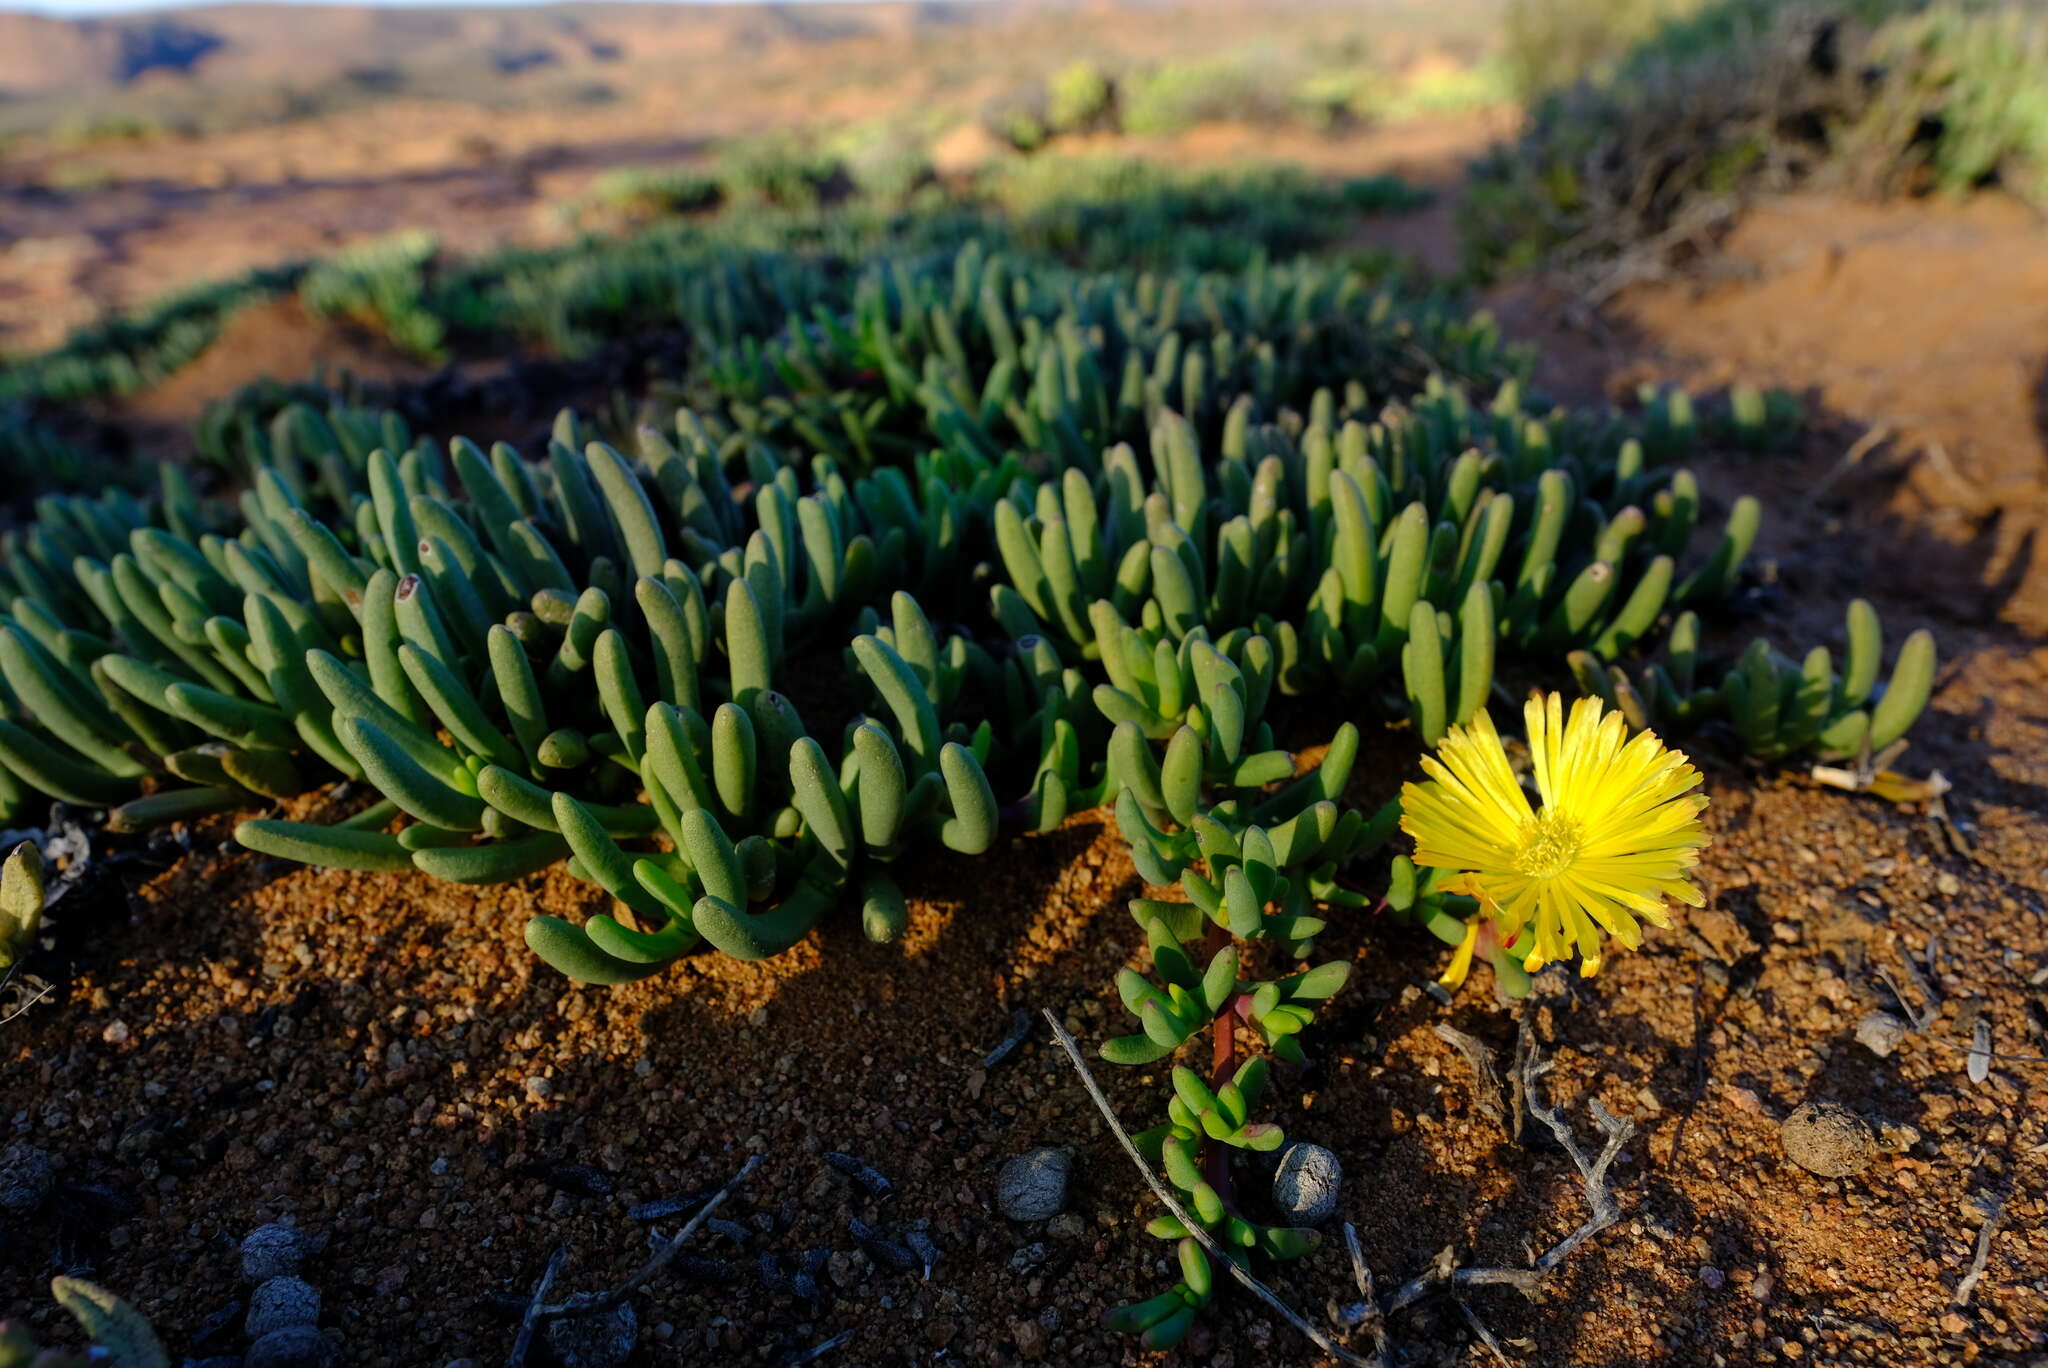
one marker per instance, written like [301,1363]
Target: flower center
[1550,842]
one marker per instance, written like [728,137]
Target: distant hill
[309,45]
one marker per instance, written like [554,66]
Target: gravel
[1033,1186]
[1827,1139]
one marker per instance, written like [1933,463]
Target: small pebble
[27,1177]
[1029,1338]
[273,1251]
[1827,1139]
[1306,1184]
[1712,1278]
[1880,1033]
[296,1346]
[605,1340]
[280,1304]
[1033,1186]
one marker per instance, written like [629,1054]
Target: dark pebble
[874,1183]
[881,1249]
[298,1346]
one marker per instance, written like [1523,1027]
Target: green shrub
[780,169]
[1079,98]
[382,285]
[1730,100]
[1980,77]
[1179,96]
[644,191]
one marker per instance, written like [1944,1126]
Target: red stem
[1215,1155]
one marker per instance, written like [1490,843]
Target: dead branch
[594,1303]
[818,1351]
[1605,1210]
[1967,1288]
[1487,1089]
[1202,1237]
[1485,1335]
[531,1320]
[1366,1313]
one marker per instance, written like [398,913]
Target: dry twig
[1185,1217]
[1605,1210]
[818,1351]
[1487,1088]
[594,1303]
[531,1320]
[1485,1335]
[1967,1288]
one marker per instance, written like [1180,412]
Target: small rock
[1896,1137]
[273,1251]
[1827,1139]
[280,1304]
[1033,1186]
[600,1341]
[1306,1183]
[1028,1258]
[1066,1226]
[27,1177]
[295,1346]
[1880,1033]
[1712,1278]
[1030,1338]
[1947,884]
[538,1089]
[1760,1286]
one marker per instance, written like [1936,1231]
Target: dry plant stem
[818,1351]
[1222,1065]
[1967,1288]
[592,1303]
[531,1320]
[1201,1237]
[1487,1089]
[1485,1335]
[1375,1321]
[1592,1176]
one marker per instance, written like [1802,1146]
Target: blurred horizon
[79,9]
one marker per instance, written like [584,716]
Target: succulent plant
[119,1334]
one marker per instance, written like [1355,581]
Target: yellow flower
[1616,834]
